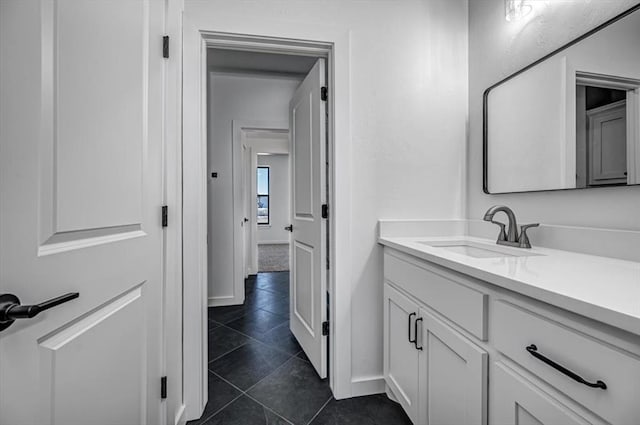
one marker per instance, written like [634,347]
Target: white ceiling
[222,60]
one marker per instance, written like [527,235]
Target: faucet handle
[524,238]
[503,234]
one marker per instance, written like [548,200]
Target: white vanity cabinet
[519,401]
[401,358]
[459,350]
[452,375]
[438,375]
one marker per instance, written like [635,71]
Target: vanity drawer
[441,291]
[514,329]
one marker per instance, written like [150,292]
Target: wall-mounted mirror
[570,120]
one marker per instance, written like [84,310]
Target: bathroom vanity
[477,333]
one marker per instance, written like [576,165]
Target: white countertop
[601,288]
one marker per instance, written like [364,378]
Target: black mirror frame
[485,103]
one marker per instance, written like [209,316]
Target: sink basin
[479,250]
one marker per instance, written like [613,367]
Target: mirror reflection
[570,121]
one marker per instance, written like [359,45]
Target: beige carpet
[273,258]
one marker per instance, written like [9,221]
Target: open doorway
[272,215]
[267,226]
[607,120]
[263,149]
[334,49]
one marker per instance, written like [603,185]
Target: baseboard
[180,417]
[273,243]
[223,301]
[391,394]
[367,386]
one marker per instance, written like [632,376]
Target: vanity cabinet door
[515,400]
[453,375]
[401,358]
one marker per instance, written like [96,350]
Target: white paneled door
[308,305]
[81,134]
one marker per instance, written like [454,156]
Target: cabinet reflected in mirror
[570,120]
[601,136]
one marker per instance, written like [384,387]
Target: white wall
[498,48]
[408,108]
[244,98]
[527,148]
[279,198]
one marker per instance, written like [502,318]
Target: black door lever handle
[10,308]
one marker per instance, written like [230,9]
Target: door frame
[335,48]
[173,361]
[632,87]
[240,129]
[239,140]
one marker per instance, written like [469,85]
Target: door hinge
[165,216]
[325,211]
[324,93]
[163,387]
[165,46]
[325,328]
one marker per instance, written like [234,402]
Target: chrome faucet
[510,236]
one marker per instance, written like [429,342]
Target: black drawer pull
[533,350]
[412,341]
[415,325]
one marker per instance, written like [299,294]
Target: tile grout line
[203,421]
[255,340]
[247,314]
[302,351]
[271,291]
[263,344]
[275,314]
[271,373]
[244,305]
[321,409]
[262,379]
[269,409]
[246,393]
[228,352]
[228,382]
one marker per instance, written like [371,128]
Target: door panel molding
[303,311]
[607,120]
[303,177]
[74,136]
[66,364]
[69,241]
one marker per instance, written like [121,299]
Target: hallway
[258,373]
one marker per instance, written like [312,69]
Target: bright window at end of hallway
[263,195]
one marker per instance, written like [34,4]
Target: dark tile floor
[258,374]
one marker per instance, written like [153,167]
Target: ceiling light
[516,9]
